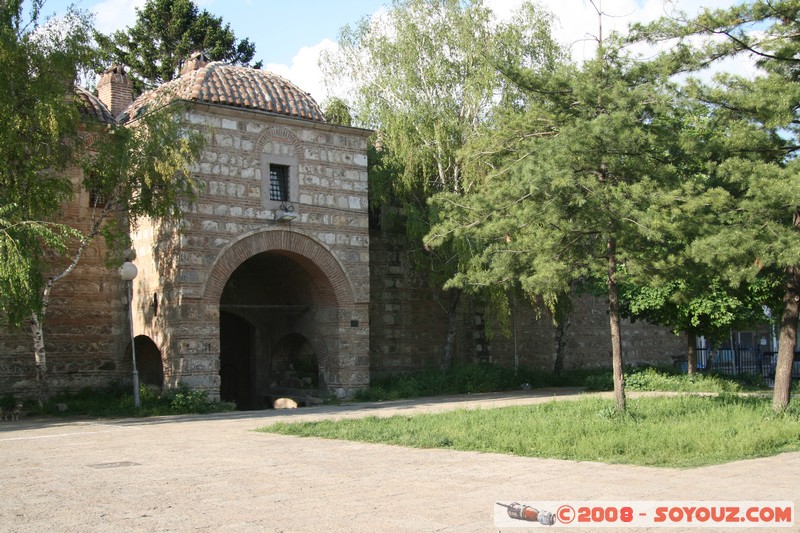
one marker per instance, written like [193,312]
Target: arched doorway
[276,309]
[149,363]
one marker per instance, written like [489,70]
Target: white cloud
[113,15]
[579,26]
[304,70]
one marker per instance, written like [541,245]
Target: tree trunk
[614,319]
[691,352]
[40,357]
[561,340]
[787,340]
[37,319]
[450,340]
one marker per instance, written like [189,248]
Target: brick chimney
[196,61]
[115,89]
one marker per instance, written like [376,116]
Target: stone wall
[409,326]
[84,330]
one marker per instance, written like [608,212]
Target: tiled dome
[235,86]
[91,108]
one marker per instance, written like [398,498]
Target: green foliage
[117,401]
[574,185]
[184,400]
[584,165]
[165,33]
[668,379]
[425,103]
[39,139]
[465,379]
[426,80]
[694,302]
[338,112]
[687,431]
[601,381]
[143,168]
[749,192]
[22,244]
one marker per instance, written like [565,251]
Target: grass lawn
[685,431]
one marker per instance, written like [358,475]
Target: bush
[465,379]
[117,401]
[7,402]
[601,381]
[187,401]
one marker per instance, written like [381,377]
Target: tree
[338,112]
[166,32]
[696,304]
[425,80]
[140,168]
[574,187]
[756,192]
[39,139]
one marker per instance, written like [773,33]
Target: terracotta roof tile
[91,108]
[235,86]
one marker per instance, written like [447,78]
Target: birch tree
[425,79]
[576,186]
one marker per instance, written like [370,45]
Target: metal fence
[743,361]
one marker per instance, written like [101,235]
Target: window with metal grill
[97,199]
[279,183]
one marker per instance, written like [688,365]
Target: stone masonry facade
[409,326]
[232,220]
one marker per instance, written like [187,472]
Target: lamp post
[128,272]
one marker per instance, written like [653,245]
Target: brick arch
[282,135]
[335,287]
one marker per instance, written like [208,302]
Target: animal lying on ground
[284,403]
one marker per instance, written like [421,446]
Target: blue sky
[279,28]
[290,34]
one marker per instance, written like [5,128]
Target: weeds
[117,401]
[464,379]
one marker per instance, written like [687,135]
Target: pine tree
[574,188]
[754,190]
[164,35]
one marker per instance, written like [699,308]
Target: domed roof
[235,86]
[90,107]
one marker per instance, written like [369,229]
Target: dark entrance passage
[294,370]
[149,364]
[234,361]
[272,310]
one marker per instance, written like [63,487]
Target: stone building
[264,289]
[274,284]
